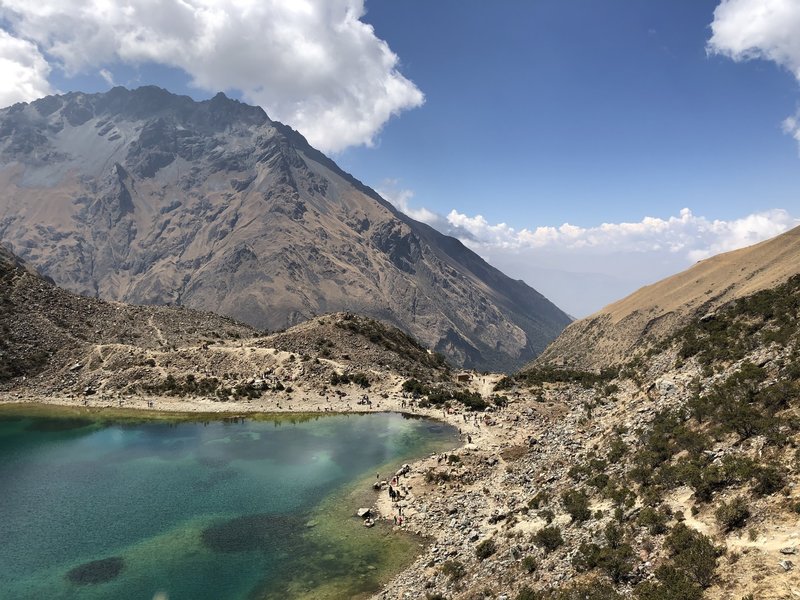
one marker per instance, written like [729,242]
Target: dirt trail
[161,339]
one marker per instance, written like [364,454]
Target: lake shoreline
[409,515]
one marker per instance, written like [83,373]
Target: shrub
[453,459]
[768,480]
[576,503]
[413,386]
[732,515]
[693,553]
[485,549]
[360,379]
[655,521]
[454,569]
[547,514]
[434,476]
[615,559]
[529,564]
[526,593]
[671,584]
[616,449]
[548,538]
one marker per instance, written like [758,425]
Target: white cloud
[791,126]
[760,29]
[582,269]
[400,198]
[23,70]
[108,76]
[768,29]
[310,63]
[692,236]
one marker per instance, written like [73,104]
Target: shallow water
[235,509]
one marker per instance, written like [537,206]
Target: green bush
[576,503]
[732,515]
[615,558]
[693,553]
[526,593]
[655,521]
[485,549]
[529,564]
[768,480]
[454,569]
[548,538]
[670,584]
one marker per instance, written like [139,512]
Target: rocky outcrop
[151,198]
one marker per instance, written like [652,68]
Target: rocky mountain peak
[150,197]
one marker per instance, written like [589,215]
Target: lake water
[185,510]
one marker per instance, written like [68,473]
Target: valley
[671,474]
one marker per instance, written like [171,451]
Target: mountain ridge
[213,205]
[655,311]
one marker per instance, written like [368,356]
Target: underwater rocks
[97,571]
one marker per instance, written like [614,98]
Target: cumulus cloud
[313,64]
[747,29]
[763,29]
[23,70]
[692,236]
[582,269]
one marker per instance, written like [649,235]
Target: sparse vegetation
[538,376]
[359,379]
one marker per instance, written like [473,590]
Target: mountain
[656,311]
[44,328]
[147,197]
[56,343]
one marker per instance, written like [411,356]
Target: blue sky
[588,147]
[563,110]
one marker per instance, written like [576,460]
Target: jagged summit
[152,198]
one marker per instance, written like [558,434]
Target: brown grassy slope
[608,336]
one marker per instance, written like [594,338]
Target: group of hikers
[395,496]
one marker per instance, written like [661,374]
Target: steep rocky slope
[656,311]
[151,198]
[676,478]
[45,329]
[54,342]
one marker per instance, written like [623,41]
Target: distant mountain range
[147,197]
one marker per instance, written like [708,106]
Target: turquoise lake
[234,509]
